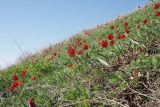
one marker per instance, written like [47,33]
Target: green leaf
[103,62]
[114,78]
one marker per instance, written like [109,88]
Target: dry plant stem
[113,101]
[139,92]
[93,101]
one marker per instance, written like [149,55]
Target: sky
[34,24]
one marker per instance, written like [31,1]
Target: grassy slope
[95,76]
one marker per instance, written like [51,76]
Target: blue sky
[35,24]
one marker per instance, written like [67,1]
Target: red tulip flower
[121,36]
[11,89]
[126,31]
[80,52]
[16,84]
[55,54]
[112,27]
[110,37]
[24,72]
[112,42]
[157,13]
[71,52]
[15,77]
[125,24]
[31,103]
[85,47]
[104,43]
[156,6]
[33,78]
[145,21]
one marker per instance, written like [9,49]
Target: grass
[91,69]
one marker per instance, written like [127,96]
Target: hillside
[112,65]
